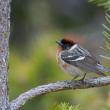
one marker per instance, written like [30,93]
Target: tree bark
[4,52]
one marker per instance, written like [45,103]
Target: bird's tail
[102,68]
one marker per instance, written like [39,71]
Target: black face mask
[66,46]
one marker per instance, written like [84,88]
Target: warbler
[76,60]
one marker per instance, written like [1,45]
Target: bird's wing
[76,53]
[81,58]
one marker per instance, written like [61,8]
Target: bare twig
[58,86]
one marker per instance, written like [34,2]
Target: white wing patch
[73,47]
[70,56]
[78,59]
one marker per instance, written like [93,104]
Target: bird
[76,60]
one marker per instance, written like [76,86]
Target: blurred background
[35,27]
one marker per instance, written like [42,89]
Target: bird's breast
[71,69]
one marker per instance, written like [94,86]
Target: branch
[58,86]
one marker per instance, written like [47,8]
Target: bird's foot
[82,79]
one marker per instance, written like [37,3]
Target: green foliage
[102,3]
[106,31]
[66,106]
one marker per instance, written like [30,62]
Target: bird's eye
[67,46]
[63,41]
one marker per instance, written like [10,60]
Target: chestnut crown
[65,43]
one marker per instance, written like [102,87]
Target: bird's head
[65,43]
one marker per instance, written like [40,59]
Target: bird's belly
[72,70]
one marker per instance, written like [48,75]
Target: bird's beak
[59,43]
